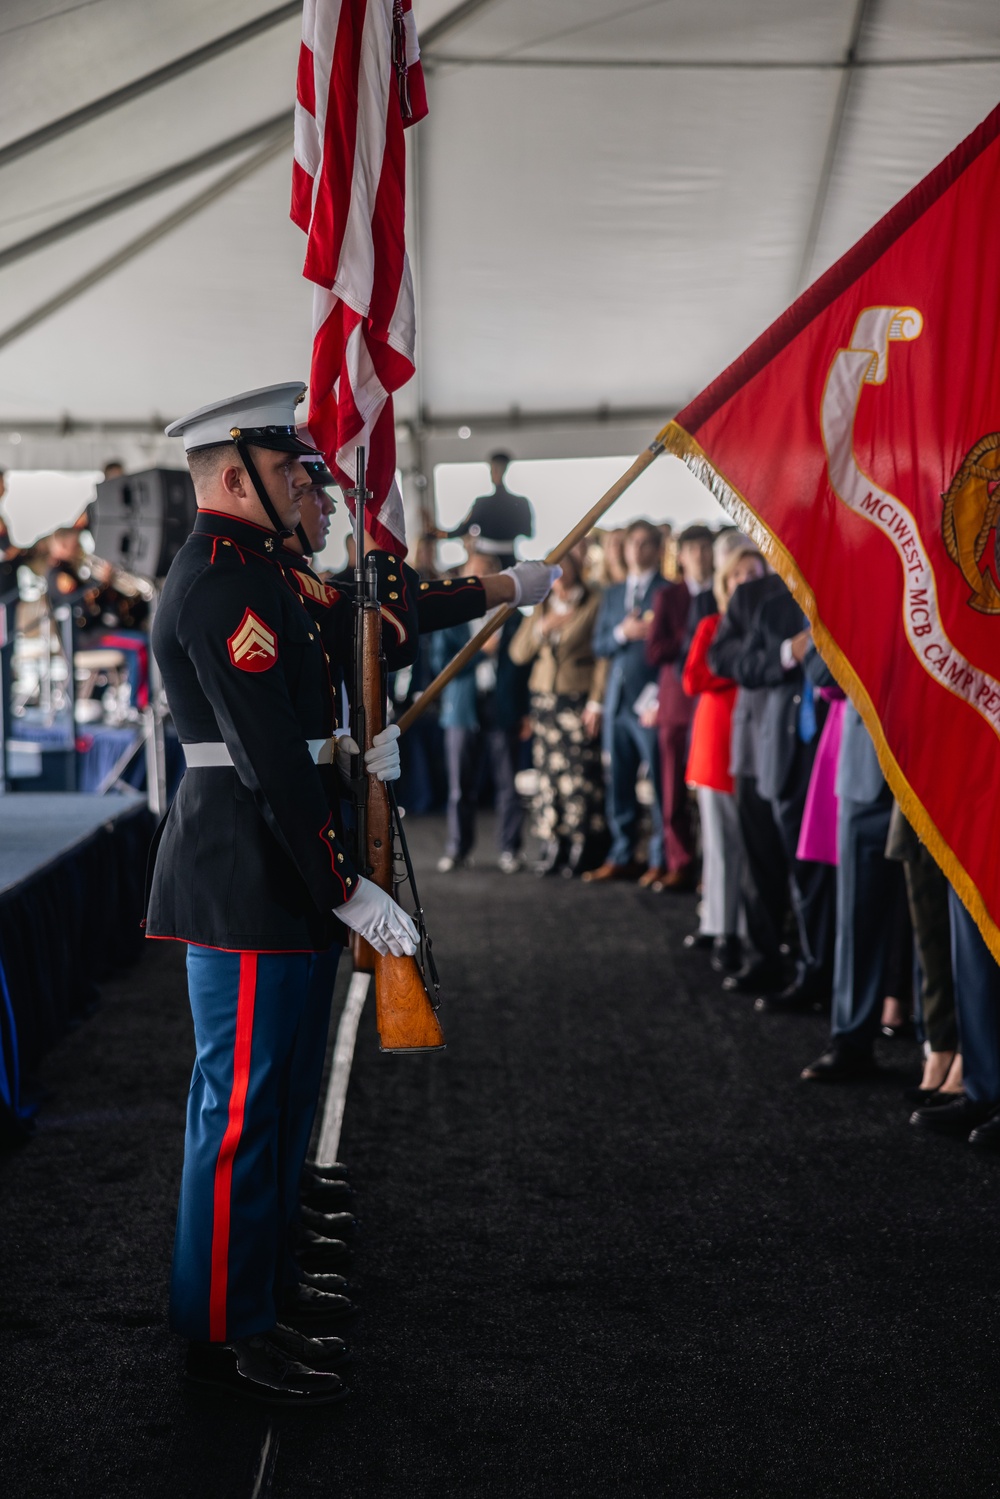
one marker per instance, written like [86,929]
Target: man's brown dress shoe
[654,877]
[607,872]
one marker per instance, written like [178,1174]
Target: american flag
[360,84]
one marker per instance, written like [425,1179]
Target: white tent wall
[610,201]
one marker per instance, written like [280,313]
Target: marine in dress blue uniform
[253,874]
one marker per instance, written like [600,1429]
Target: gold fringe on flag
[683,446]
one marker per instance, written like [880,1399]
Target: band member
[252,873]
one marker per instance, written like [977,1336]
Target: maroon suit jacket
[667,644]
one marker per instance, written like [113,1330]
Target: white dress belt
[217,756]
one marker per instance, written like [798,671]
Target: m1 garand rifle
[404,1006]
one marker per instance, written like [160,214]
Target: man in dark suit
[621,632]
[677,613]
[483,711]
[868,886]
[760,645]
[496,520]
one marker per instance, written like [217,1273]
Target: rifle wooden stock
[500,618]
[403,1012]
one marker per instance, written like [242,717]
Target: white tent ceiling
[610,199]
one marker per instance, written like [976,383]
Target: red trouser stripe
[227,1150]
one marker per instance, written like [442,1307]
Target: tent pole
[862,15]
[158,183]
[450,21]
[119,96]
[203,200]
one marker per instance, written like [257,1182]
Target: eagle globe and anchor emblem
[971,512]
[971,509]
[971,503]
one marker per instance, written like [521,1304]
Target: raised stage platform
[71,890]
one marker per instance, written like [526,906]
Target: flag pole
[502,615]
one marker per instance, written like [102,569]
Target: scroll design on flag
[865,362]
[971,512]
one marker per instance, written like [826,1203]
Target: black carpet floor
[610,1245]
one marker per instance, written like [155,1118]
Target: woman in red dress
[736,561]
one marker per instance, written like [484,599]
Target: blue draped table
[99,750]
[72,879]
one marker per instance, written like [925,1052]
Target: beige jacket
[568,665]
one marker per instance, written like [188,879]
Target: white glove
[532,581]
[382,760]
[376,917]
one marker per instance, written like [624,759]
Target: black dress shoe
[727,954]
[309,1310]
[325,1171]
[841,1064]
[698,940]
[753,977]
[326,1280]
[259,1369]
[330,1225]
[797,999]
[926,1098]
[315,1353]
[328,1196]
[959,1117]
[986,1136]
[318,1254]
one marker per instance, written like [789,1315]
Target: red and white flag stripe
[359,85]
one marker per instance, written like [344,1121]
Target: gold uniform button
[446,582]
[226,543]
[331,834]
[347,881]
[394,595]
[311,635]
[392,562]
[391,578]
[340,858]
[424,587]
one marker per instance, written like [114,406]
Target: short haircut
[205,463]
[644,525]
[501,457]
[695,533]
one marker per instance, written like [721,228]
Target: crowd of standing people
[685,734]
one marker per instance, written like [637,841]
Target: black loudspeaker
[141,521]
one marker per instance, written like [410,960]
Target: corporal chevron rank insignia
[254,646]
[320,593]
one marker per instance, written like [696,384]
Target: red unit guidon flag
[359,85]
[859,441]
